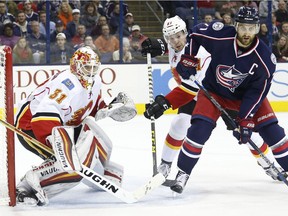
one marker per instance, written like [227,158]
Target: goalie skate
[29,192]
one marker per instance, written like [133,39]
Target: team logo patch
[229,77]
[68,84]
[273,59]
[217,26]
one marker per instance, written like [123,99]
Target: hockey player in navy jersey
[239,78]
[183,97]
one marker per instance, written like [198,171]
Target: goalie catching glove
[157,108]
[122,108]
[154,46]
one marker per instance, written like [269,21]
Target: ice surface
[226,180]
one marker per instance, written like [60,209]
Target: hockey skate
[164,168]
[29,192]
[181,180]
[270,172]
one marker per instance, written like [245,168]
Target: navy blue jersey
[232,73]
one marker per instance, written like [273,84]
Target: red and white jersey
[60,100]
[186,89]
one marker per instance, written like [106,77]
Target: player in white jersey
[58,109]
[175,35]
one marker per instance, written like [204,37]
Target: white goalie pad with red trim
[62,141]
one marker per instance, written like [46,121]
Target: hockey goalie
[61,113]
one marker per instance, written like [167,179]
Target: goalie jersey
[60,100]
[233,73]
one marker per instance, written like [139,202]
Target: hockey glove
[157,108]
[244,131]
[154,46]
[187,66]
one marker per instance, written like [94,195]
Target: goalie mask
[175,32]
[85,65]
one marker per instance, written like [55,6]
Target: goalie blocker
[93,149]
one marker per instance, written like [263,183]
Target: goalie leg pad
[62,141]
[100,138]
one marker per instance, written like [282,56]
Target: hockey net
[7,160]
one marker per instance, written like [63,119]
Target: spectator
[127,56]
[106,43]
[75,4]
[281,14]
[71,27]
[65,13]
[205,7]
[22,53]
[280,49]
[110,8]
[42,23]
[21,27]
[284,29]
[12,7]
[263,9]
[21,5]
[184,9]
[127,26]
[263,33]
[136,38]
[59,29]
[275,32]
[4,15]
[37,41]
[52,9]
[99,4]
[115,19]
[227,20]
[251,4]
[227,7]
[61,52]
[78,39]
[97,29]
[29,12]
[88,41]
[8,38]
[208,18]
[90,16]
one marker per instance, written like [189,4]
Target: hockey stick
[97,179]
[234,125]
[152,119]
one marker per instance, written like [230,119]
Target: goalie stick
[234,125]
[99,180]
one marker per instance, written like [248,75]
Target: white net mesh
[4,190]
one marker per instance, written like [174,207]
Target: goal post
[7,149]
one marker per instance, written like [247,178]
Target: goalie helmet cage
[7,151]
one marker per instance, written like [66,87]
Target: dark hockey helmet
[247,15]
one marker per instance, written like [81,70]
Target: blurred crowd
[75,23]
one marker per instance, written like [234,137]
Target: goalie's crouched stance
[92,148]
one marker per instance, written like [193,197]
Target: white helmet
[172,26]
[85,65]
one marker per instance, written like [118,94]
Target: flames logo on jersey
[229,77]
